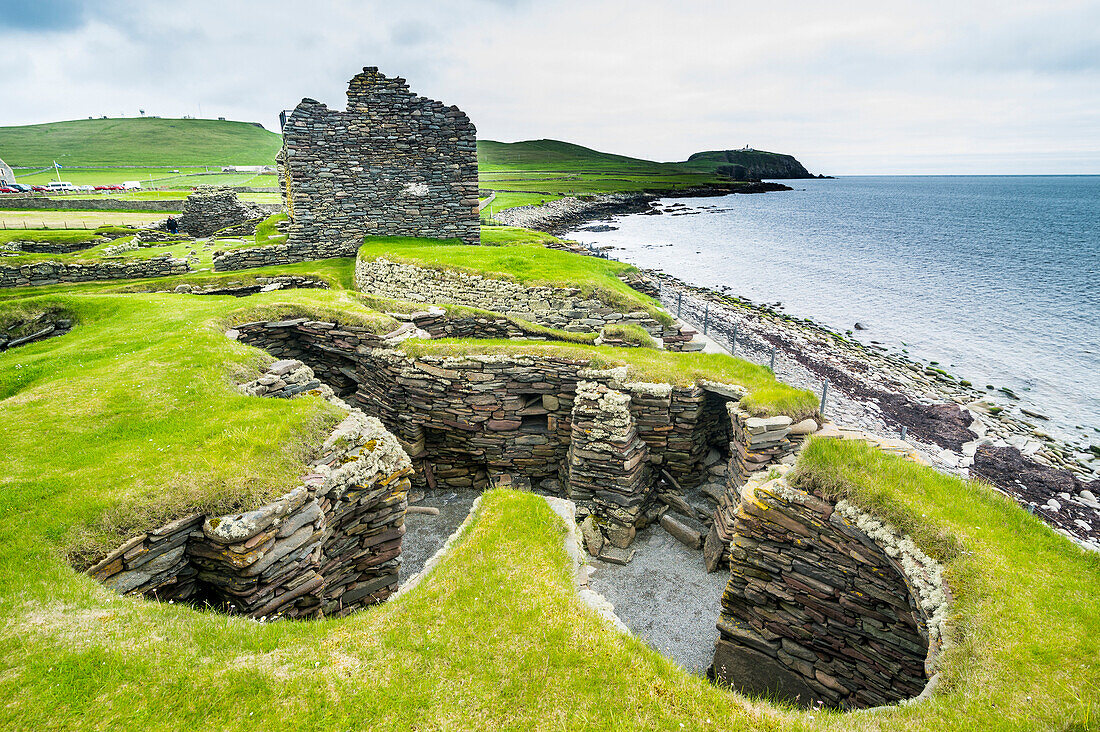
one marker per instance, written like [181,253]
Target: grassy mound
[144,141]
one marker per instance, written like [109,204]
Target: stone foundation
[49,324]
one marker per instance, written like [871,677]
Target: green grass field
[139,141]
[495,638]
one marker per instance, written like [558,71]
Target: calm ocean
[996,278]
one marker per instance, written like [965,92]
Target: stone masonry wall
[393,164]
[824,603]
[210,208]
[472,421]
[755,445]
[325,548]
[50,273]
[563,308]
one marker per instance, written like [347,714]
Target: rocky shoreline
[565,214]
[963,430]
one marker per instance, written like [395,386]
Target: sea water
[996,278]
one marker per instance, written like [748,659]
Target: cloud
[849,86]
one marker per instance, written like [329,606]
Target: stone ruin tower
[393,164]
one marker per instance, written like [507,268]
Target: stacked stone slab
[239,289]
[470,421]
[755,445]
[51,247]
[212,208]
[51,273]
[609,474]
[825,604]
[393,164]
[331,349]
[327,547]
[564,308]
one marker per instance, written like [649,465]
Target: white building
[7,176]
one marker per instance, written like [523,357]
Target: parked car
[86,189]
[21,187]
[60,185]
[131,185]
[39,189]
[5,189]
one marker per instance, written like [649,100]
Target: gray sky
[846,87]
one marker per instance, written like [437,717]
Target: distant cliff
[749,164]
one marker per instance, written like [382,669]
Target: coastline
[962,428]
[564,214]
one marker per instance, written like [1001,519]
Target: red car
[5,189]
[40,189]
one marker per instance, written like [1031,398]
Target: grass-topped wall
[518,255]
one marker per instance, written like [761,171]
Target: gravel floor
[424,534]
[666,597]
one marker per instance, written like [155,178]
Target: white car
[131,185]
[60,185]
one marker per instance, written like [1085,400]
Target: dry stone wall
[393,163]
[325,548]
[824,603]
[755,445]
[51,273]
[42,203]
[476,420]
[563,308]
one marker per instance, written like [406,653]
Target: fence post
[772,367]
[733,341]
[824,394]
[904,432]
[679,302]
[706,318]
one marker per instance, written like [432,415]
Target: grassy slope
[142,141]
[562,156]
[549,169]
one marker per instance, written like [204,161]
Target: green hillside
[742,164]
[140,141]
[553,156]
[561,156]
